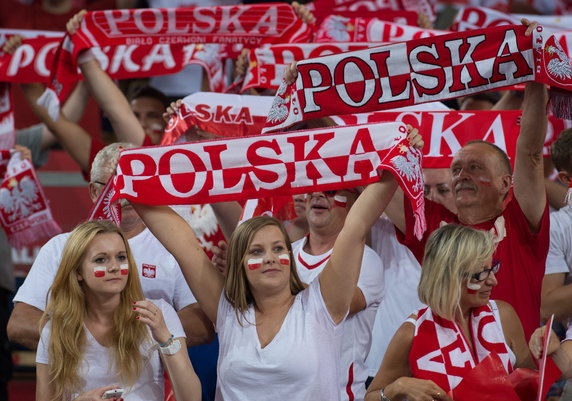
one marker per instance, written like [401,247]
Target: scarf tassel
[31,234]
[561,103]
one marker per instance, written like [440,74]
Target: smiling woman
[457,277]
[97,317]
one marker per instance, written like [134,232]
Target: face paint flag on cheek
[340,200]
[99,271]
[473,287]
[124,268]
[254,264]
[284,259]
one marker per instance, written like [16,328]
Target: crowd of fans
[341,302]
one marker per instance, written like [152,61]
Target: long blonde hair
[236,288]
[67,310]
[452,254]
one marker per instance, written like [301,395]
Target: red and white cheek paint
[254,263]
[485,181]
[99,271]
[284,259]
[340,200]
[472,288]
[124,269]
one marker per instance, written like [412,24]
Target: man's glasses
[483,275]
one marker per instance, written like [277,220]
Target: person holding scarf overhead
[278,340]
[439,345]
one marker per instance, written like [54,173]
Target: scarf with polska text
[440,351]
[468,18]
[445,132]
[336,28]
[24,211]
[423,70]
[250,25]
[221,114]
[323,8]
[272,165]
[268,63]
[31,62]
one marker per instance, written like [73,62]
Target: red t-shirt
[522,255]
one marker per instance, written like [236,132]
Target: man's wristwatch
[171,348]
[382,396]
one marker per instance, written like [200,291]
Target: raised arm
[113,102]
[180,240]
[108,96]
[528,175]
[73,138]
[340,276]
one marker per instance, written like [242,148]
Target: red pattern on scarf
[440,352]
[24,211]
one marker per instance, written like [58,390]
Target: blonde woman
[278,340]
[433,350]
[100,334]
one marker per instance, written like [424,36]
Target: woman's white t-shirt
[96,370]
[300,363]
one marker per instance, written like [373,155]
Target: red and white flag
[423,70]
[24,211]
[221,114]
[263,166]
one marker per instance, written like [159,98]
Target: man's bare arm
[24,325]
[197,325]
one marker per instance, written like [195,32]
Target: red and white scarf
[321,7]
[420,71]
[267,64]
[440,351]
[445,132]
[469,18]
[336,28]
[24,211]
[32,61]
[7,129]
[221,114]
[262,166]
[154,29]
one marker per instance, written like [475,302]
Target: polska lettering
[292,162]
[268,63]
[420,71]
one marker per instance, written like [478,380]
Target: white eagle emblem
[336,28]
[408,166]
[208,54]
[19,201]
[559,66]
[279,110]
